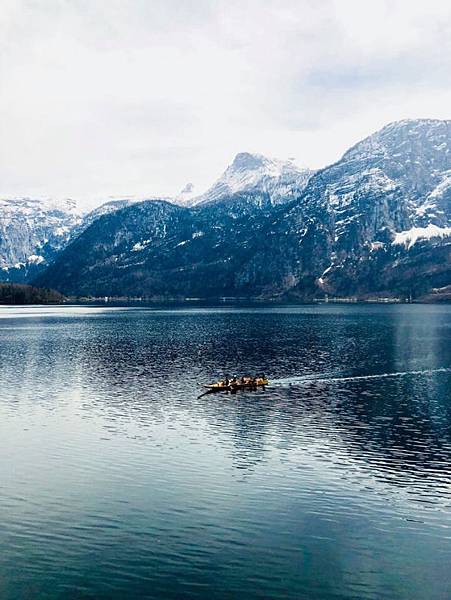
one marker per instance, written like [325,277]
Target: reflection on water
[117,481]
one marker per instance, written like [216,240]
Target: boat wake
[324,378]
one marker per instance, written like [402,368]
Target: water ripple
[117,481]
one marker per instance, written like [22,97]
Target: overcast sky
[103,98]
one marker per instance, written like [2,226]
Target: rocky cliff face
[32,232]
[376,222]
[390,188]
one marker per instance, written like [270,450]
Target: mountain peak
[251,172]
[185,196]
[414,122]
[246,160]
[415,140]
[188,189]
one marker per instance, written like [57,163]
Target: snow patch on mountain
[342,192]
[443,187]
[35,259]
[413,235]
[140,245]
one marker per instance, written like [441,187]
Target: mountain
[32,232]
[160,249]
[377,222]
[249,173]
[386,206]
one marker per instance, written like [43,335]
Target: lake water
[118,482]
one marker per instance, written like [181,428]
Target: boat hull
[216,387]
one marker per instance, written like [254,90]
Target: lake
[118,482]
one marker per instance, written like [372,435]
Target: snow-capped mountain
[281,180]
[32,232]
[388,193]
[377,222]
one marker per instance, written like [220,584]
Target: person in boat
[243,380]
[227,381]
[236,380]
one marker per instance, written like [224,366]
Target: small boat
[246,383]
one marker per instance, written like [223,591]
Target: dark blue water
[118,482]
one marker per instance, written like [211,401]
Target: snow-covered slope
[388,198]
[32,232]
[248,173]
[415,155]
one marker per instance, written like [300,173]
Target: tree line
[17,293]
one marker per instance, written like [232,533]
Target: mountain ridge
[27,248]
[344,233]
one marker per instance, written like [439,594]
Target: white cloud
[105,97]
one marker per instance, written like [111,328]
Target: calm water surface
[117,482]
